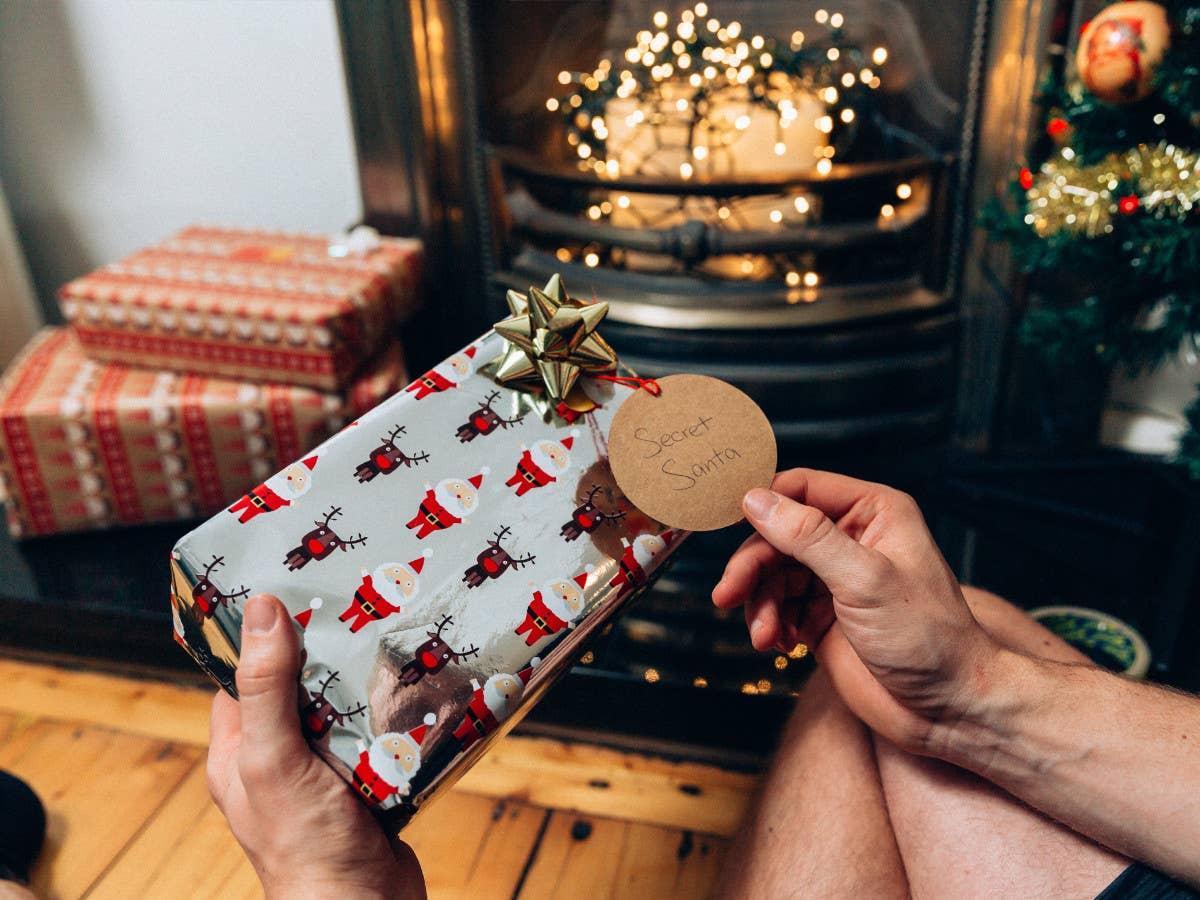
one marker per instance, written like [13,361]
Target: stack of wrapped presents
[194,369]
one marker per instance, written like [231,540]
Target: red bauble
[1026,179]
[1057,126]
[1128,204]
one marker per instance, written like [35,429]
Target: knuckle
[903,502]
[256,676]
[808,526]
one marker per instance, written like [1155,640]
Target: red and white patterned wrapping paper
[86,444]
[446,558]
[264,306]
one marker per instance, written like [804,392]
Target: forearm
[1116,760]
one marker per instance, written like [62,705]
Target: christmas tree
[1111,197]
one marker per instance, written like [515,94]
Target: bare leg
[819,827]
[960,836]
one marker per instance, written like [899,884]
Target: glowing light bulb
[904,191]
[780,148]
[757,42]
[591,260]
[822,16]
[735,28]
[848,80]
[606,207]
[563,254]
[1159,118]
[552,104]
[710,72]
[647,58]
[684,61]
[765,60]
[776,216]
[714,26]
[686,30]
[824,166]
[681,105]
[742,122]
[695,80]
[576,101]
[701,9]
[847,115]
[584,151]
[797,38]
[824,124]
[801,204]
[723,212]
[836,20]
[811,280]
[832,54]
[564,77]
[613,168]
[879,56]
[865,76]
[700,151]
[747,267]
[593,212]
[829,95]
[623,201]
[793,279]
[686,170]
[660,19]
[633,54]
[887,210]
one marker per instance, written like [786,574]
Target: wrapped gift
[85,444]
[447,560]
[259,305]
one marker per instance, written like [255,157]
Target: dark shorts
[1141,883]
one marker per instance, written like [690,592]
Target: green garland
[1143,259]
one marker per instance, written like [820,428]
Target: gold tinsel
[1084,200]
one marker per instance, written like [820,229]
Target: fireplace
[795,222]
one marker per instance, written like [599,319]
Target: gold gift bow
[552,341]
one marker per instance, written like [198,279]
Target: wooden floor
[119,764]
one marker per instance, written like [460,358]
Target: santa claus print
[541,464]
[383,592]
[277,491]
[637,556]
[492,703]
[385,768]
[449,373]
[554,607]
[447,504]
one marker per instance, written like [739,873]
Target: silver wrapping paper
[445,557]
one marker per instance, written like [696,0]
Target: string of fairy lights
[701,98]
[702,72]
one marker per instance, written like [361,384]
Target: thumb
[811,538]
[267,689]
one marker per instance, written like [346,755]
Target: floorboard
[119,763]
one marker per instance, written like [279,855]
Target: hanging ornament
[552,341]
[1059,130]
[1120,50]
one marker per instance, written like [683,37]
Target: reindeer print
[206,594]
[484,420]
[320,542]
[587,517]
[434,655]
[494,561]
[387,457]
[319,714]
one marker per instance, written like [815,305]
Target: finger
[763,621]
[833,494]
[267,693]
[224,735]
[743,572]
[809,536]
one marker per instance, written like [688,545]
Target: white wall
[121,121]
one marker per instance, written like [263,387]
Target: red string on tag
[648,384]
